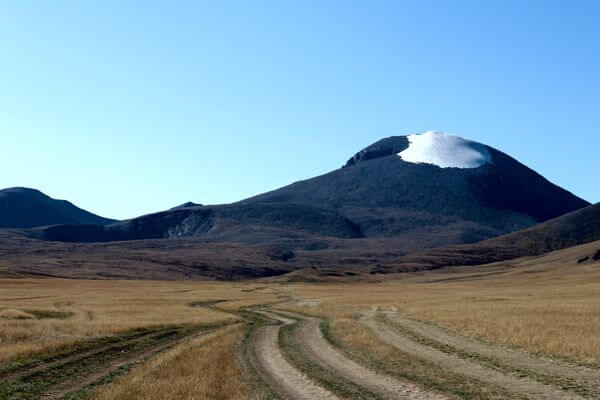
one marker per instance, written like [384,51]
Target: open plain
[525,329]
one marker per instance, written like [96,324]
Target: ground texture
[528,331]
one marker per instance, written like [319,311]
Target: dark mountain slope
[25,208]
[572,229]
[239,223]
[387,196]
[312,258]
[377,194]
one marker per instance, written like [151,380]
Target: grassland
[175,374]
[183,340]
[42,316]
[547,304]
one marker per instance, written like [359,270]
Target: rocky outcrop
[384,147]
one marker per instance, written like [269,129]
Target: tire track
[67,387]
[311,338]
[56,363]
[511,357]
[60,377]
[269,362]
[522,385]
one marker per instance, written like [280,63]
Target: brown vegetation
[202,368]
[95,309]
[548,305]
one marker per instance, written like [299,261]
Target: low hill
[248,223]
[308,258]
[26,208]
[572,229]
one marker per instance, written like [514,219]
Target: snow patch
[445,151]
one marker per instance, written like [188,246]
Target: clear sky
[130,107]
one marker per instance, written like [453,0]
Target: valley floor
[521,330]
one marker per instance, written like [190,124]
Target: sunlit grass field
[42,315]
[543,305]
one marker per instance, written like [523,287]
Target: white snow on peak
[445,151]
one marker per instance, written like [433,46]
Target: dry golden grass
[353,334]
[10,313]
[363,344]
[202,368]
[95,309]
[548,304]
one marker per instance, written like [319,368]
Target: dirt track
[521,385]
[22,372]
[287,376]
[509,356]
[290,383]
[386,386]
[282,377]
[59,391]
[79,370]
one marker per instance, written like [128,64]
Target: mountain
[423,191]
[313,259]
[572,229]
[404,203]
[435,188]
[248,223]
[26,208]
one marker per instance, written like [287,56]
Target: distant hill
[251,223]
[312,259]
[572,229]
[426,190]
[26,208]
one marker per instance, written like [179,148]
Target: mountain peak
[431,147]
[444,150]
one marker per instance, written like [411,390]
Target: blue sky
[126,107]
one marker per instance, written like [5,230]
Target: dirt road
[388,387]
[290,383]
[505,355]
[283,378]
[522,385]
